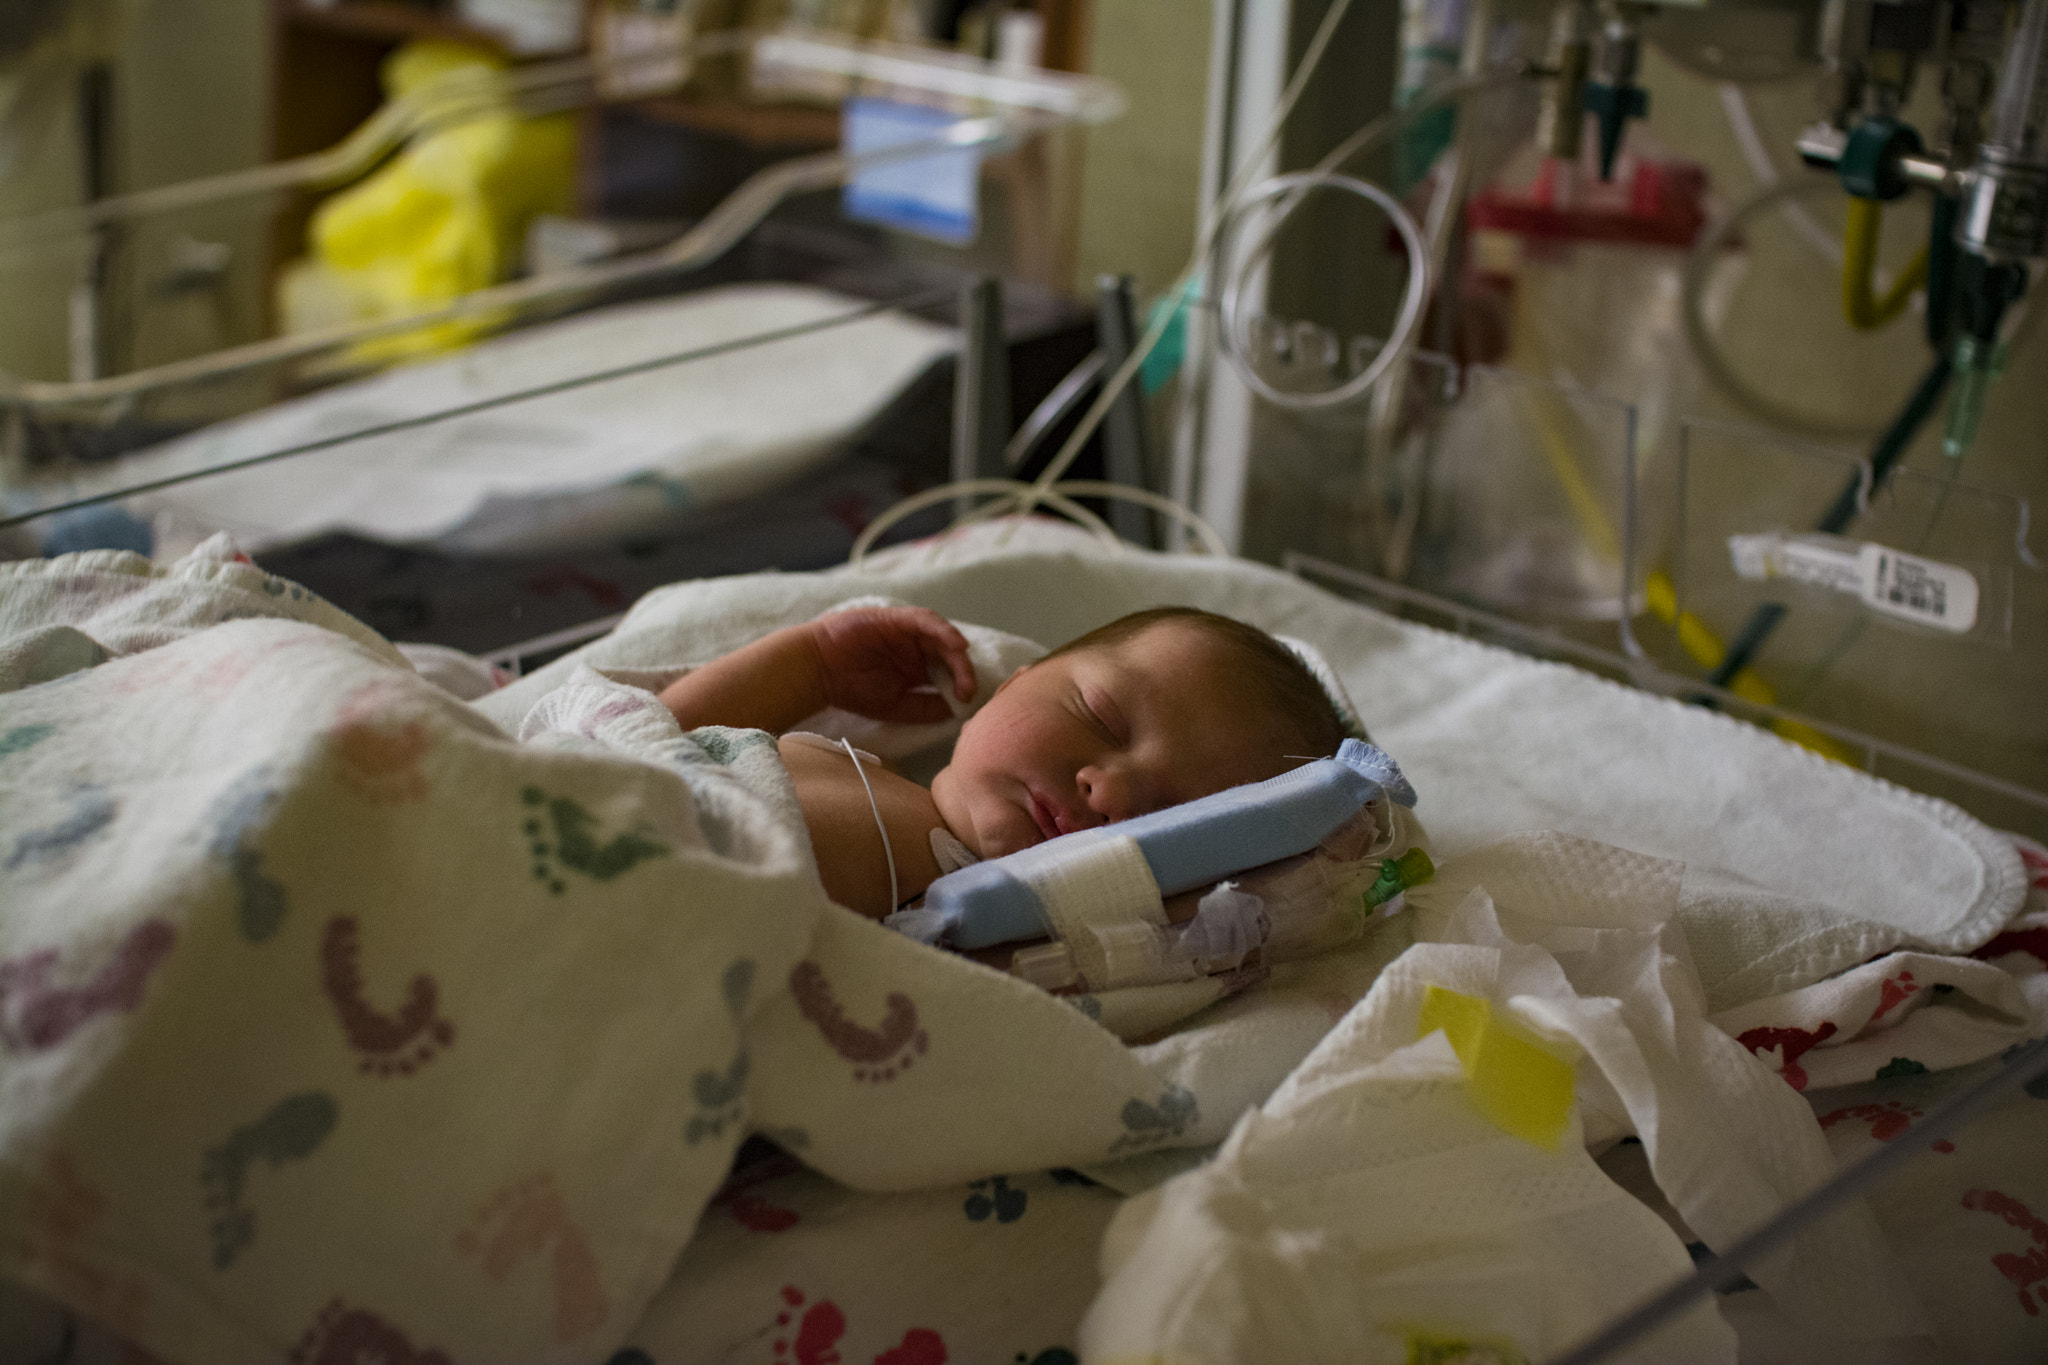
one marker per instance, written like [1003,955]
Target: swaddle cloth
[1419,1188]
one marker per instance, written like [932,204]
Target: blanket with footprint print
[335,1019]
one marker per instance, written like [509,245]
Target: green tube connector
[1412,868]
[1976,365]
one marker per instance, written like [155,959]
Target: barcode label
[1915,589]
[1902,585]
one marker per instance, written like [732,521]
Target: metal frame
[1475,623]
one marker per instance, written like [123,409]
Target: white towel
[1368,1211]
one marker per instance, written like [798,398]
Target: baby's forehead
[1186,670]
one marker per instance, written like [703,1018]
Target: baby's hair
[1272,670]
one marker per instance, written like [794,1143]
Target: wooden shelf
[758,124]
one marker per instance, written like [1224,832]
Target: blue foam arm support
[1186,846]
[1204,841]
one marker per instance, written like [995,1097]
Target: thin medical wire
[1368,136]
[1706,348]
[888,853]
[1232,329]
[1311,58]
[1162,318]
[1012,493]
[1720,1271]
[1742,123]
[484,405]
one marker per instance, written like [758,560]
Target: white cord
[1162,317]
[1016,495]
[1699,264]
[1013,491]
[1742,123]
[1232,332]
[1372,133]
[888,853]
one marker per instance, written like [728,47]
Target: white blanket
[330,1012]
[569,467]
[483,1110]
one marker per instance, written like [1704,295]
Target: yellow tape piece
[1430,1348]
[1521,1087]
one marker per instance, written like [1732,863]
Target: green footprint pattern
[24,736]
[1147,1124]
[561,833]
[723,744]
[239,817]
[291,1131]
[721,1096]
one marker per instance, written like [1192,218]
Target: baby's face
[1101,735]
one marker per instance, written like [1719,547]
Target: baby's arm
[872,661]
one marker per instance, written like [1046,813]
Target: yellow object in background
[1705,647]
[1860,302]
[448,215]
[1522,1088]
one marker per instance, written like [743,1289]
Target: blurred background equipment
[1687,333]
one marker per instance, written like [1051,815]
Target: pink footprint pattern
[38,1013]
[2030,941]
[2037,868]
[56,1241]
[819,1330]
[529,1217]
[1795,1042]
[878,1054]
[2028,1272]
[1892,992]
[381,753]
[1886,1120]
[751,1210]
[342,1335]
[390,1045]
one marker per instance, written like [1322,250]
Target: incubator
[1418,429]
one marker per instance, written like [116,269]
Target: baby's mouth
[1042,814]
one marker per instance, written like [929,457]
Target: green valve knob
[1412,868]
[1872,165]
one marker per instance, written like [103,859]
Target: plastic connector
[1612,106]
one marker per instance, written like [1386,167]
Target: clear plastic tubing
[2015,115]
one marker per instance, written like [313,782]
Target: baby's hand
[876,662]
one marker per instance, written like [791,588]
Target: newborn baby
[1149,711]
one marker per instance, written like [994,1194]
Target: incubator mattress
[604,460]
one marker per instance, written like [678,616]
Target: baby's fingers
[945,646]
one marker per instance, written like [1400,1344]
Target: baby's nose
[1106,793]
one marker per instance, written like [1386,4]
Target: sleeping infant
[1149,711]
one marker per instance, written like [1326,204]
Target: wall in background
[1141,174]
[188,101]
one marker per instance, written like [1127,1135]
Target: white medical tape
[1105,885]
